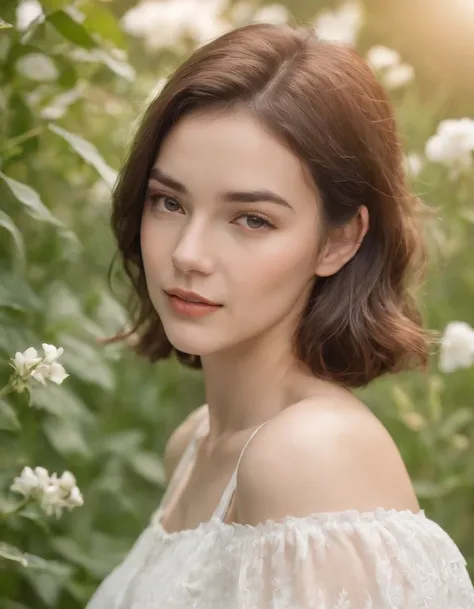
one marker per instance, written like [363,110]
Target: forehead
[231,149]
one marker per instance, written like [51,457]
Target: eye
[163,202]
[255,221]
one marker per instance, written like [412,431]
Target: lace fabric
[385,559]
[348,560]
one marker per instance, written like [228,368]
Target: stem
[5,390]
[25,136]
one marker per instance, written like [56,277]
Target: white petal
[57,373]
[67,481]
[271,13]
[399,76]
[43,477]
[37,66]
[27,12]
[75,499]
[457,347]
[40,373]
[26,360]
[51,353]
[381,57]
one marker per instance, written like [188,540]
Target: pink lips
[190,304]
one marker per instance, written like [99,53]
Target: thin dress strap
[226,499]
[180,470]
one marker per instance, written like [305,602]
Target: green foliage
[109,421]
[63,129]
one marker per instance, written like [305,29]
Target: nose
[191,254]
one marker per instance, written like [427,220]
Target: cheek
[285,270]
[153,245]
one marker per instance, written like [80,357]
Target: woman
[265,223]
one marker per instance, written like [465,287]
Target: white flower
[27,12]
[452,145]
[23,362]
[51,501]
[67,481]
[53,493]
[457,347]
[51,353]
[42,477]
[50,372]
[163,23]
[75,498]
[25,484]
[29,365]
[342,25]
[413,164]
[271,13]
[398,76]
[37,66]
[381,58]
[31,483]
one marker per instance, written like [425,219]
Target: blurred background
[74,80]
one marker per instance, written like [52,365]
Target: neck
[251,384]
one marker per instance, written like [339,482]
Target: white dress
[385,559]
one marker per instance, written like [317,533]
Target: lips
[192,297]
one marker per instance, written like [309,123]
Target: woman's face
[231,216]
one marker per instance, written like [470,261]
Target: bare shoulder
[322,455]
[180,438]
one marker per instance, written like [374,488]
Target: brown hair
[324,102]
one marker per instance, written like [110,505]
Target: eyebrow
[233,196]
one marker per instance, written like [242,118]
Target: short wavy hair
[322,101]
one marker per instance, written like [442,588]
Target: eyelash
[155,197]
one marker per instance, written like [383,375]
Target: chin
[193,343]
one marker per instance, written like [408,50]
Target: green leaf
[71,29]
[88,152]
[121,68]
[60,401]
[14,335]
[84,361]
[8,418]
[48,578]
[455,422]
[104,554]
[16,293]
[5,603]
[148,466]
[4,24]
[9,552]
[54,5]
[118,66]
[101,21]
[427,489]
[65,437]
[7,223]
[31,199]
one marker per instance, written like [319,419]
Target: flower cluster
[457,347]
[393,72]
[53,493]
[452,145]
[342,24]
[44,368]
[163,23]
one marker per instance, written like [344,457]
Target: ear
[342,244]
